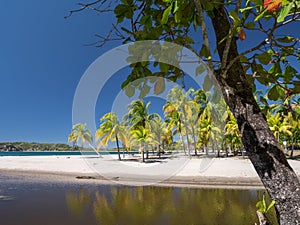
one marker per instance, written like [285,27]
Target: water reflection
[78,203]
[160,205]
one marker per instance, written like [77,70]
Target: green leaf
[234,16]
[296,89]
[297,109]
[260,15]
[275,69]
[176,7]
[273,93]
[129,90]
[270,206]
[166,15]
[276,92]
[249,25]
[264,203]
[259,204]
[286,39]
[178,16]
[204,51]
[164,67]
[284,12]
[288,74]
[146,21]
[200,69]
[246,9]
[263,80]
[144,91]
[264,58]
[207,84]
[257,2]
[244,59]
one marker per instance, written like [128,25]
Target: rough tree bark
[264,151]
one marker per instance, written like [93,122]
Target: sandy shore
[204,172]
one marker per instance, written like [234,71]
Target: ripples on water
[41,203]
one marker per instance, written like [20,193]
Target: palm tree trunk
[187,133]
[158,150]
[205,149]
[183,145]
[143,155]
[194,137]
[147,151]
[118,147]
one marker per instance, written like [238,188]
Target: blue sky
[42,59]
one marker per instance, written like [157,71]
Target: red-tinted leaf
[242,34]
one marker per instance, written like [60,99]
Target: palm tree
[232,133]
[159,131]
[111,129]
[180,101]
[174,122]
[138,113]
[278,125]
[206,129]
[79,132]
[204,132]
[141,136]
[138,117]
[293,119]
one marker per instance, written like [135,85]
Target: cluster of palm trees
[189,125]
[286,128]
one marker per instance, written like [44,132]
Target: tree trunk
[183,145]
[293,146]
[194,139]
[143,155]
[187,133]
[118,147]
[205,149]
[262,147]
[147,151]
[158,150]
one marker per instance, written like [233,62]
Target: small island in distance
[33,146]
[44,147]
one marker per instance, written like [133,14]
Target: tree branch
[89,6]
[204,32]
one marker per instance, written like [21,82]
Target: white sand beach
[195,171]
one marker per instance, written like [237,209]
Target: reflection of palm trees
[78,203]
[142,205]
[157,205]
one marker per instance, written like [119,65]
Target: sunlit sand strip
[203,170]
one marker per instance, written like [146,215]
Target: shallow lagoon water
[30,202]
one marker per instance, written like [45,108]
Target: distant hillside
[25,146]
